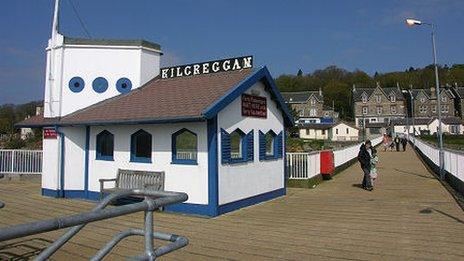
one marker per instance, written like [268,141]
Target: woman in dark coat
[404,142]
[364,158]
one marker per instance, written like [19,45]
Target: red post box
[327,163]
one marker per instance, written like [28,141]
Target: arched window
[184,147]
[236,146]
[141,147]
[105,145]
[270,145]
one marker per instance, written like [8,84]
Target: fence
[303,165]
[307,165]
[21,161]
[453,160]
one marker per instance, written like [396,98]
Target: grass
[305,145]
[455,142]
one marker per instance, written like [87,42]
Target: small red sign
[49,133]
[254,106]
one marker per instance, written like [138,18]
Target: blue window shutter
[225,146]
[262,146]
[279,145]
[250,146]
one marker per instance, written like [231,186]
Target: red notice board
[254,106]
[49,133]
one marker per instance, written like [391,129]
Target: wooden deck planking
[334,221]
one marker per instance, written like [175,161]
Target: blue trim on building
[86,160]
[261,74]
[81,194]
[250,201]
[174,159]
[213,193]
[193,209]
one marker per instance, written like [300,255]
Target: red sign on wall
[254,106]
[49,133]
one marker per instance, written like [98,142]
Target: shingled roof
[177,99]
[357,93]
[301,97]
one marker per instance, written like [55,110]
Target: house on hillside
[374,108]
[309,106]
[424,102]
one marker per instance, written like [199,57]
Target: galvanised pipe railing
[153,200]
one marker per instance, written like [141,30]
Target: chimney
[354,87]
[378,84]
[433,93]
[320,91]
[398,85]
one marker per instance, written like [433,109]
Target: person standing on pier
[404,142]
[364,158]
[397,143]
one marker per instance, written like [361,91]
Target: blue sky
[284,35]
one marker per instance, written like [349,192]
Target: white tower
[81,72]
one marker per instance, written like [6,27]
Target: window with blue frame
[270,145]
[184,147]
[236,147]
[105,145]
[141,147]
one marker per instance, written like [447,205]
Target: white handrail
[453,160]
[20,161]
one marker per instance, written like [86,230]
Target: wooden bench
[132,179]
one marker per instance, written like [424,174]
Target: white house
[314,131]
[408,125]
[450,125]
[340,131]
[215,128]
[343,131]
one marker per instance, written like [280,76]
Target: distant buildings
[309,106]
[424,103]
[378,110]
[378,105]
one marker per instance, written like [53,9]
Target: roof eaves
[245,84]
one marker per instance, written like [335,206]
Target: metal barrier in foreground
[153,200]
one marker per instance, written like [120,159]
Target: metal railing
[302,165]
[305,165]
[153,200]
[21,161]
[453,160]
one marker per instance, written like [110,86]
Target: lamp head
[412,22]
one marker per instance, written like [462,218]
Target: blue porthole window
[123,85]
[100,85]
[76,84]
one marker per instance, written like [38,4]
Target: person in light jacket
[364,158]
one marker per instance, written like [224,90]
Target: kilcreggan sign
[254,106]
[230,64]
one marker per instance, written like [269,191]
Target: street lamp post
[414,22]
